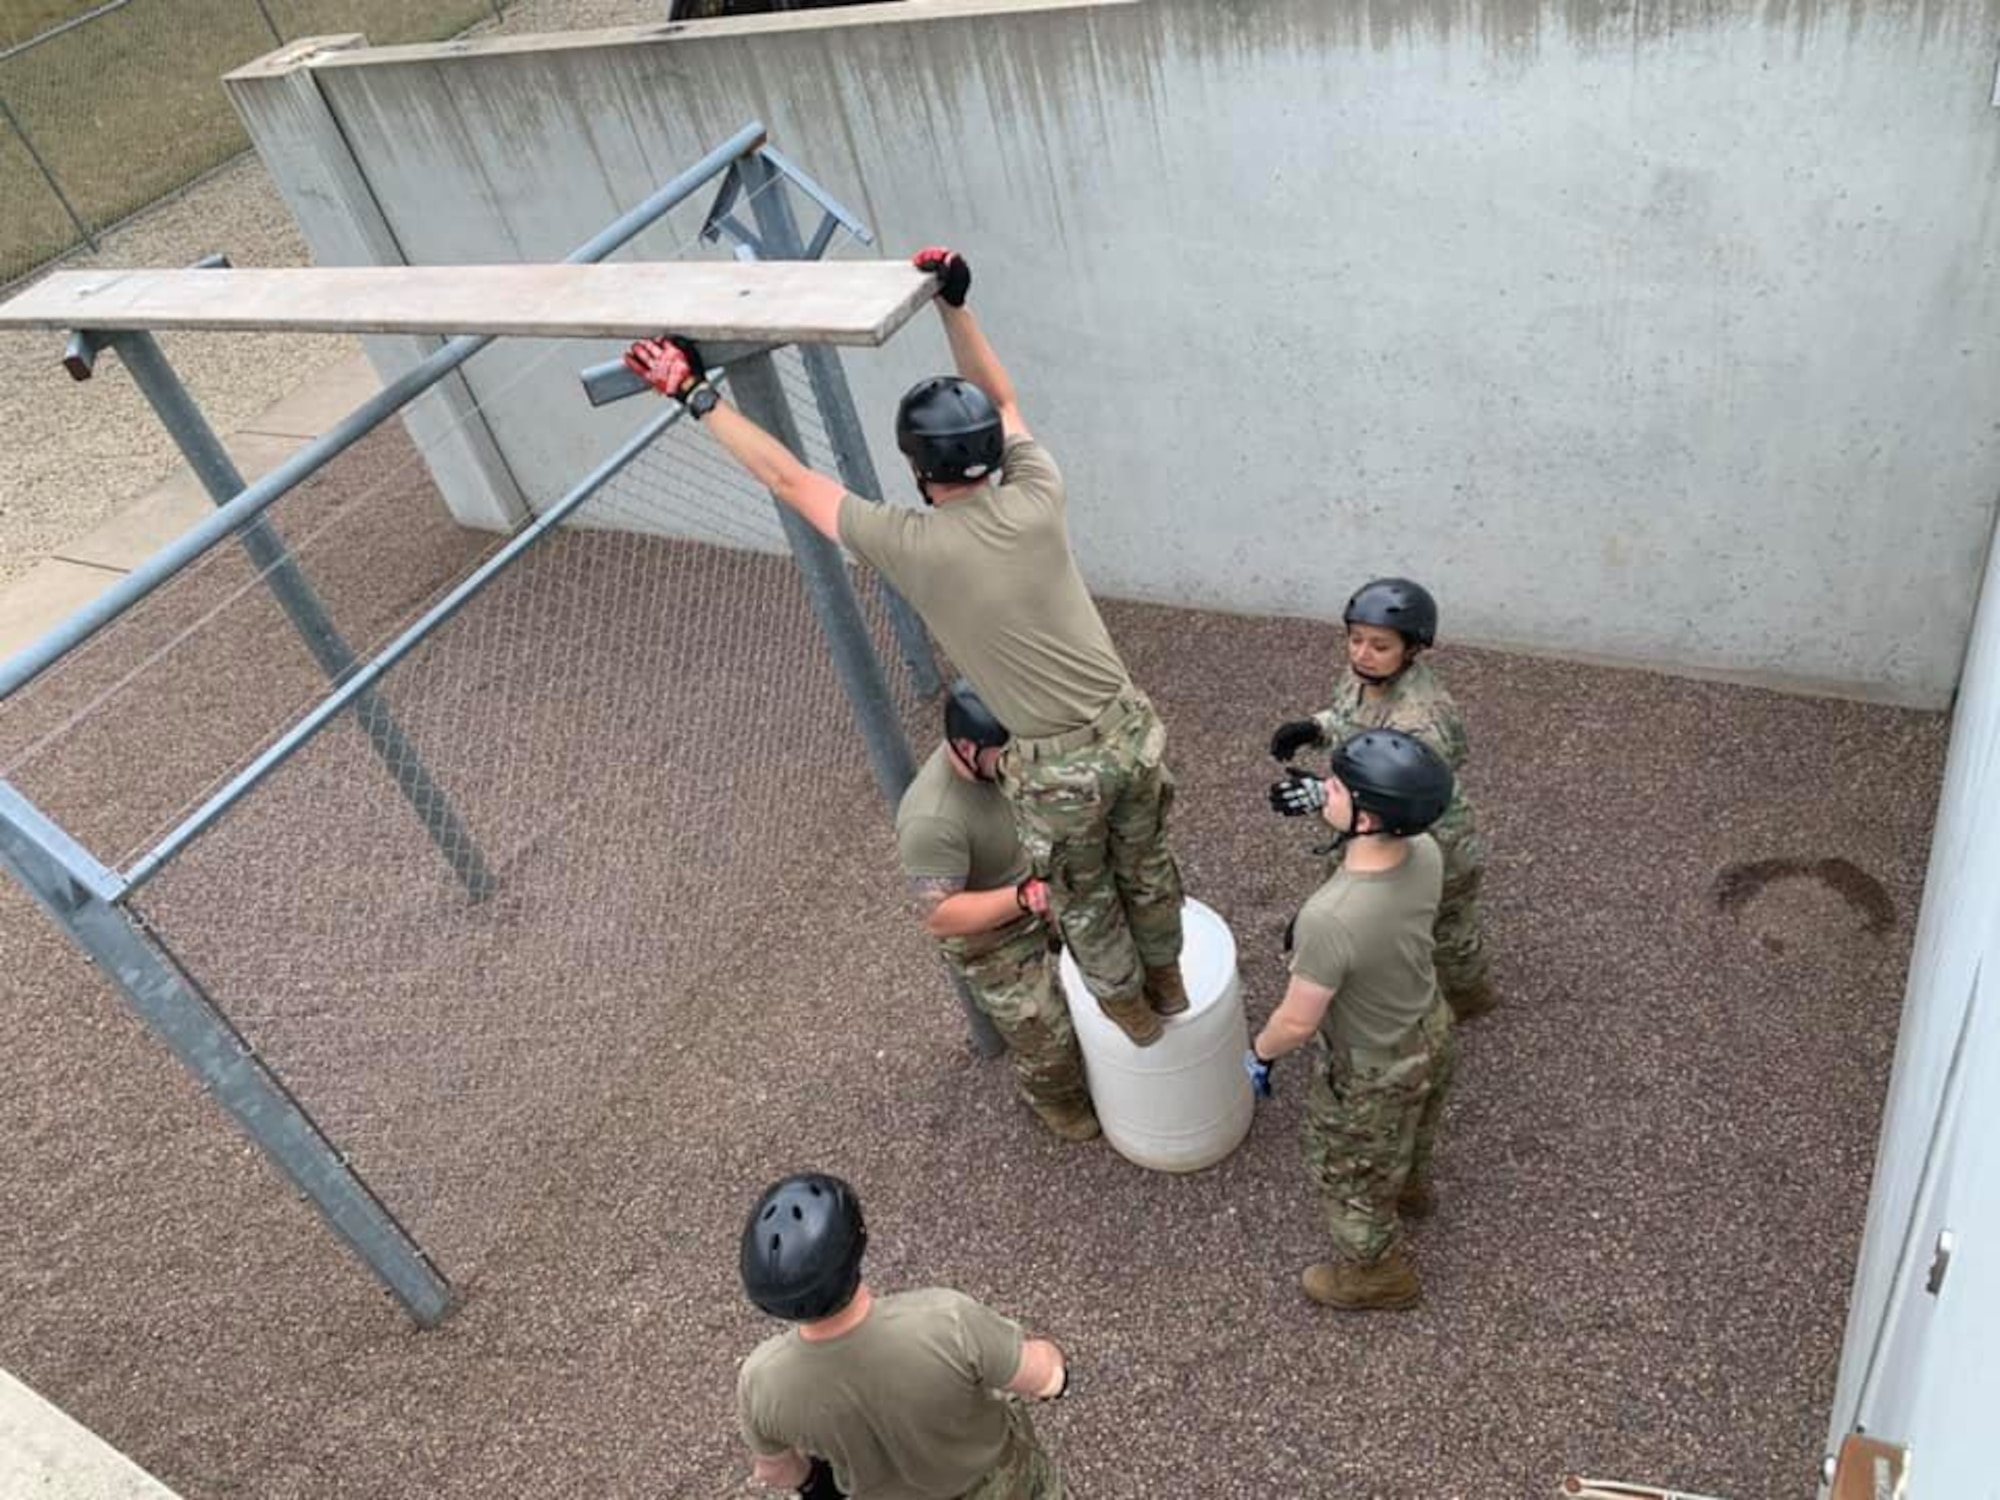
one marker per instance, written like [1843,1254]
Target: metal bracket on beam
[721,220]
[611,381]
[85,344]
[834,216]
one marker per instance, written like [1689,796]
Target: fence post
[760,391]
[48,176]
[764,186]
[79,895]
[779,231]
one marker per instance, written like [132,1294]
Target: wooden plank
[778,302]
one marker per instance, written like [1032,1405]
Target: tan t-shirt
[1367,937]
[993,577]
[905,1407]
[950,828]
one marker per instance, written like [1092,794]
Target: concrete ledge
[76,573]
[313,408]
[46,1455]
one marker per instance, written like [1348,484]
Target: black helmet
[1395,604]
[801,1254]
[950,430]
[1395,776]
[966,717]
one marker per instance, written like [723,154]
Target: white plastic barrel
[1183,1103]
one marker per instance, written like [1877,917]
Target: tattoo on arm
[934,890]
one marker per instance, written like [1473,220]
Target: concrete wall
[1658,333]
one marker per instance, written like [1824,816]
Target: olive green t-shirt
[993,577]
[950,828]
[905,1407]
[1367,937]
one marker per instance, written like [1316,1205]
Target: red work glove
[953,274]
[669,365]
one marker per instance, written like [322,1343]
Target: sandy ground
[701,973]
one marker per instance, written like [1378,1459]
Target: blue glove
[1300,794]
[1259,1071]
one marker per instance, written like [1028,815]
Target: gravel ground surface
[701,974]
[74,453]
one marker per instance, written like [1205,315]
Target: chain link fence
[120,106]
[625,722]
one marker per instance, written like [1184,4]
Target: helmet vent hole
[798,1213]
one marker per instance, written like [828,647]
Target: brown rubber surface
[1652,1177]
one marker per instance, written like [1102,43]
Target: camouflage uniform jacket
[1418,704]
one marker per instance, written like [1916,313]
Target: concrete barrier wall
[1661,337]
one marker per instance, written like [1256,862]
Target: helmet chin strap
[972,765]
[1341,836]
[1379,679]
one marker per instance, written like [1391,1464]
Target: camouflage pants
[1025,1470]
[1093,819]
[1014,983]
[1370,1129]
[1461,943]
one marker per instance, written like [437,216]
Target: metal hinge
[1940,1260]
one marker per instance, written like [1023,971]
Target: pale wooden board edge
[25,311]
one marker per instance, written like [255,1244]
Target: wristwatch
[700,400]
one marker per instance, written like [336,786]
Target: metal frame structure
[88,900]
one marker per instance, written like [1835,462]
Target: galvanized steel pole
[30,662]
[79,896]
[218,474]
[820,561]
[363,678]
[778,228]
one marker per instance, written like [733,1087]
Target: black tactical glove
[1290,739]
[1299,795]
[953,274]
[819,1483]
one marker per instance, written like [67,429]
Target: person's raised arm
[970,352]
[673,367]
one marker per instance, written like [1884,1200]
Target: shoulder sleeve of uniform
[760,1440]
[1433,857]
[991,1343]
[1025,465]
[933,846]
[1323,952]
[1433,716]
[876,533]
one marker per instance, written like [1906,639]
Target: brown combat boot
[1475,999]
[1387,1284]
[1416,1200]
[1164,991]
[1135,1018]
[1072,1122]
